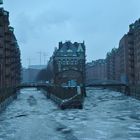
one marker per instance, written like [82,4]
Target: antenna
[45,56]
[40,55]
[29,61]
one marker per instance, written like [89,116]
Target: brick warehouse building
[68,63]
[96,70]
[123,63]
[126,59]
[135,28]
[10,65]
[111,65]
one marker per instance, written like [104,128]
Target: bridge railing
[105,83]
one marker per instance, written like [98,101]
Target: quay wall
[135,91]
[131,90]
[65,97]
[7,95]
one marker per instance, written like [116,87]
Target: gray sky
[41,24]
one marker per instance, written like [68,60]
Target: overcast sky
[41,24]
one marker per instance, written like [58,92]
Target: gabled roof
[80,48]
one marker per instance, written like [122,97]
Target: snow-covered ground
[107,115]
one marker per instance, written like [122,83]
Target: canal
[107,115]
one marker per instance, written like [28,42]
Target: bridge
[70,97]
[93,83]
[105,83]
[33,85]
[110,84]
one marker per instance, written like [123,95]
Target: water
[107,115]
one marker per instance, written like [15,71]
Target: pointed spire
[80,48]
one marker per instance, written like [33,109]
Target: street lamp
[45,56]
